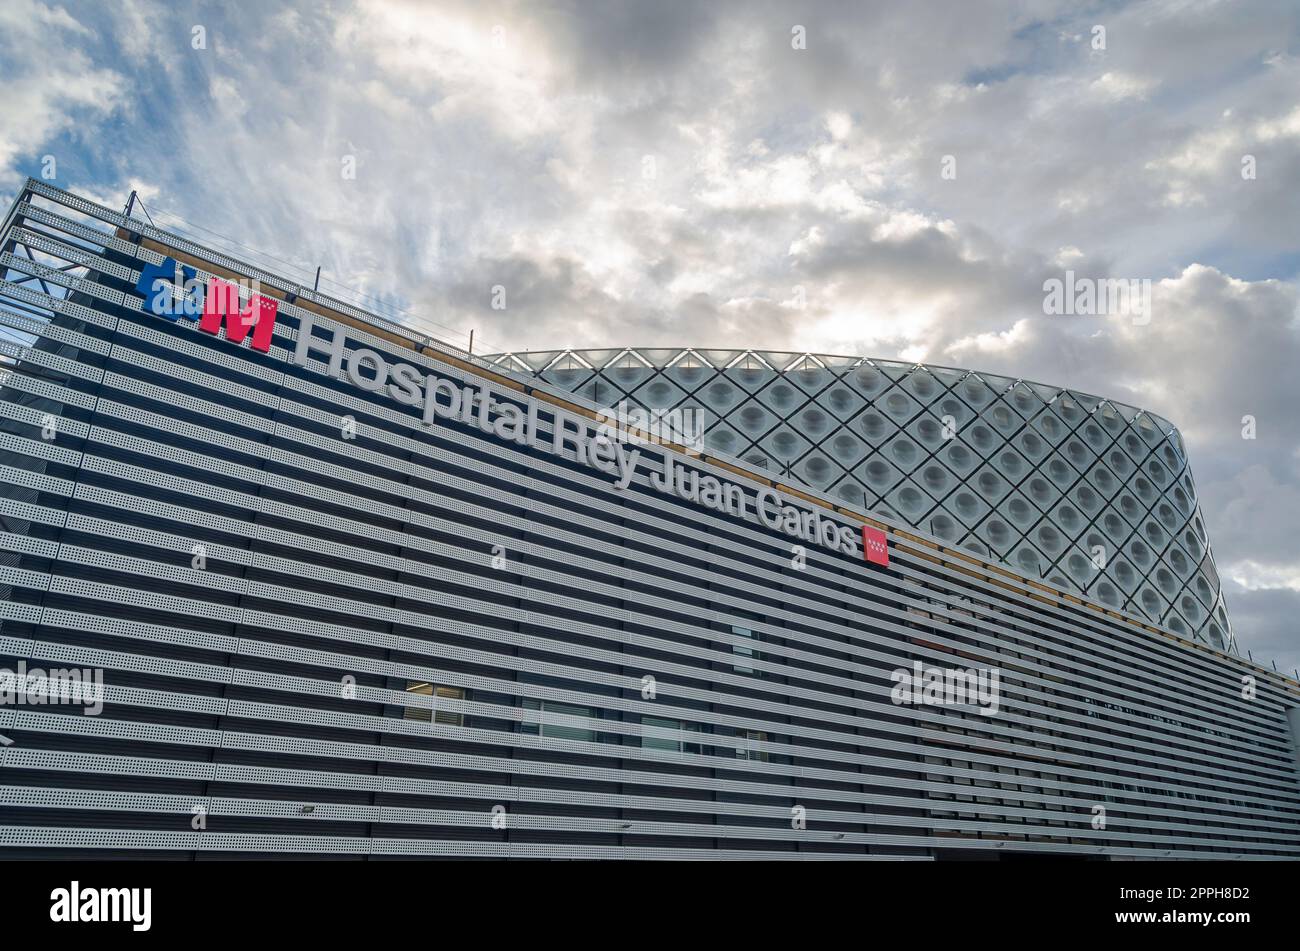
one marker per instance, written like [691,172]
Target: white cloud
[1116,87]
[44,94]
[518,156]
[1253,576]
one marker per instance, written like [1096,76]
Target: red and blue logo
[173,291]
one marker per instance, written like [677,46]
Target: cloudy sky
[884,179]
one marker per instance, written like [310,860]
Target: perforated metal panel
[336,573]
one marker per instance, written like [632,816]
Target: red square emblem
[875,547]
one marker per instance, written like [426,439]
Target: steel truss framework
[1091,495]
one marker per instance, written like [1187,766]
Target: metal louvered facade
[326,628]
[1091,495]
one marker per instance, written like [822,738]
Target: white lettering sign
[592,444]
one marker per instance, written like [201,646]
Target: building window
[745,748]
[564,730]
[653,730]
[445,717]
[742,651]
[653,738]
